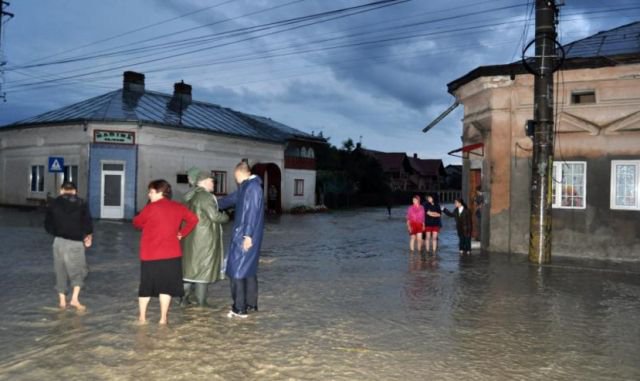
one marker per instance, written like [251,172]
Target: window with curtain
[569,184]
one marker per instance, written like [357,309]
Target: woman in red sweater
[161,222]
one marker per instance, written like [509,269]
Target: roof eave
[516,68]
[140,123]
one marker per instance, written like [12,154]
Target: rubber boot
[201,294]
[184,301]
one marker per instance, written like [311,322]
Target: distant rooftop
[427,167]
[617,46]
[137,105]
[389,161]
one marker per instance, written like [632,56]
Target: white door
[112,191]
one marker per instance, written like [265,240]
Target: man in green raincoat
[202,250]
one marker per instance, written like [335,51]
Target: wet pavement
[341,299]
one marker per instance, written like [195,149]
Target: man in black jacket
[69,221]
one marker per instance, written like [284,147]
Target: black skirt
[161,277]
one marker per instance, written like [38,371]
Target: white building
[112,145]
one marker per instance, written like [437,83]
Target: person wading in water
[69,221]
[462,215]
[161,222]
[202,250]
[246,240]
[415,223]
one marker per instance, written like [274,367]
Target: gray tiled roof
[622,40]
[155,108]
[617,46]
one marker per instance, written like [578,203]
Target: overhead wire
[217,36]
[107,77]
[341,36]
[135,30]
[334,47]
[379,4]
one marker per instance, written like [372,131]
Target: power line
[358,9]
[148,26]
[215,36]
[248,58]
[190,67]
[128,45]
[262,27]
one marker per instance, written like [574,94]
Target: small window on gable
[583,97]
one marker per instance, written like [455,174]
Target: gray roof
[622,40]
[156,108]
[617,46]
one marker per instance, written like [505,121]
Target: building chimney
[182,92]
[133,82]
[415,155]
[181,99]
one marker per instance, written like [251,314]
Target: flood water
[341,298]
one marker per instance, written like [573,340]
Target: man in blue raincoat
[246,239]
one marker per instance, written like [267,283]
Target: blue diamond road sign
[56,164]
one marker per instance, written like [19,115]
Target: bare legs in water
[74,302]
[165,302]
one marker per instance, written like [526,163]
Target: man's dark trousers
[244,293]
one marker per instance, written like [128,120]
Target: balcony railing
[294,162]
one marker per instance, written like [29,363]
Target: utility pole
[545,63]
[3,13]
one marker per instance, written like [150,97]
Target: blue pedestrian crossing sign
[56,164]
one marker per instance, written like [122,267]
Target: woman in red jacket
[161,222]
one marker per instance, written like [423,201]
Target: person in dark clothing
[462,214]
[432,222]
[69,221]
[246,240]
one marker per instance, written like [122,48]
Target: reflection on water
[341,299]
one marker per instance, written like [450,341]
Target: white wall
[22,148]
[164,153]
[289,200]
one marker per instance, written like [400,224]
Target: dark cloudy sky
[380,75]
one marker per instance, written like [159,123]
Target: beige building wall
[495,112]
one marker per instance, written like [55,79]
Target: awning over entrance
[468,149]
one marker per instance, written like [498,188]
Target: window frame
[39,180]
[557,196]
[68,169]
[217,183]
[575,95]
[295,187]
[613,183]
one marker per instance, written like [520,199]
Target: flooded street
[341,298]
